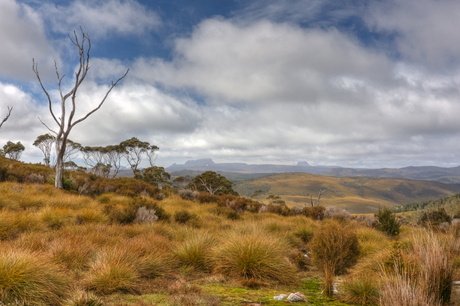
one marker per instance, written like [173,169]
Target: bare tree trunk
[64,130]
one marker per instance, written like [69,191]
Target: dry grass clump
[13,223]
[114,270]
[430,279]
[31,279]
[254,255]
[400,290]
[83,298]
[362,290]
[194,252]
[74,253]
[371,241]
[334,249]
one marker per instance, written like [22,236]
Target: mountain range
[432,173]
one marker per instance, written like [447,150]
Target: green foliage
[13,150]
[134,150]
[154,175]
[334,248]
[213,183]
[434,217]
[45,143]
[387,223]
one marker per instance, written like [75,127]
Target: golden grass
[63,231]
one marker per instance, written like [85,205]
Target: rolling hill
[357,195]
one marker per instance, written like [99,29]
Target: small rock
[278,297]
[334,288]
[283,295]
[296,297]
[456,283]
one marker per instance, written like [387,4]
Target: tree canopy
[213,183]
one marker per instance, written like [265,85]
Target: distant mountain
[440,174]
[209,165]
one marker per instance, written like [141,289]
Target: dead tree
[7,116]
[320,193]
[65,124]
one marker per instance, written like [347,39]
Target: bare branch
[7,116]
[46,126]
[102,102]
[35,70]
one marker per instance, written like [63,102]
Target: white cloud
[22,37]
[425,31]
[101,18]
[264,62]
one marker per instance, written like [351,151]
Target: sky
[348,83]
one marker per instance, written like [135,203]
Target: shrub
[281,210]
[314,212]
[334,249]
[183,216]
[145,215]
[387,223]
[31,279]
[434,217]
[247,255]
[188,194]
[122,214]
[333,212]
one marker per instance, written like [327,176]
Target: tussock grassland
[64,248]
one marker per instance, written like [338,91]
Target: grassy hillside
[357,195]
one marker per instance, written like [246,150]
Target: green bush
[386,222]
[434,217]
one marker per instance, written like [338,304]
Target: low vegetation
[130,242]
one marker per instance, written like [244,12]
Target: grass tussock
[254,255]
[30,278]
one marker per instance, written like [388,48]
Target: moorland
[127,241]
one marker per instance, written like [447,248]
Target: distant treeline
[450,203]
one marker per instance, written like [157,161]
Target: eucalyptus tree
[13,150]
[45,144]
[113,155]
[134,150]
[66,123]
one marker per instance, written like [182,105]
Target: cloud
[265,62]
[23,37]
[23,124]
[275,92]
[102,19]
[425,31]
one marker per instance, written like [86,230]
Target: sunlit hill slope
[357,195]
